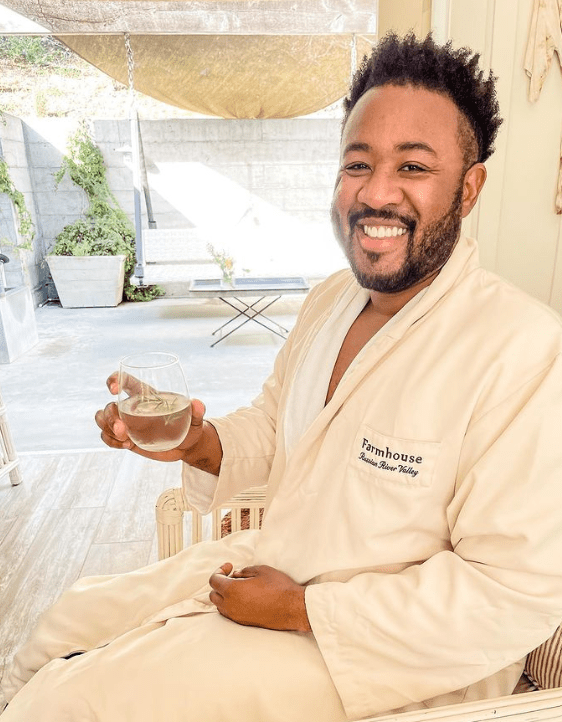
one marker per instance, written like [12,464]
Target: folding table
[234,295]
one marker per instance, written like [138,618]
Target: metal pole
[137,186]
[145,186]
[137,182]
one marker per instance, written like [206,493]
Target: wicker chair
[244,511]
[9,462]
[537,697]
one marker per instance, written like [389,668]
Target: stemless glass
[153,400]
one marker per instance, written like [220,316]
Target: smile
[383,231]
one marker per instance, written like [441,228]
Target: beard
[427,256]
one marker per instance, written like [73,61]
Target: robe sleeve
[465,613]
[248,437]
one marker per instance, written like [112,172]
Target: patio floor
[52,392]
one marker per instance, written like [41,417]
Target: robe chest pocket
[407,462]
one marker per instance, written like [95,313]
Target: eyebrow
[365,147]
[415,145]
[400,147]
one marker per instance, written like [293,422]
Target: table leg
[250,312]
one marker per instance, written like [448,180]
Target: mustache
[355,216]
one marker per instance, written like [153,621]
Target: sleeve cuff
[199,488]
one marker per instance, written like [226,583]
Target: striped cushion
[544,664]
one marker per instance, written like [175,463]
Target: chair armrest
[529,707]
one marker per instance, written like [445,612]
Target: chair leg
[15,476]
[9,462]
[169,522]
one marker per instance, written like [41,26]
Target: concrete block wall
[24,267]
[45,141]
[269,181]
[274,160]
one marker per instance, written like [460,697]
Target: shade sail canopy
[231,59]
[240,17]
[230,76]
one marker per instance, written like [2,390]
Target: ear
[474,179]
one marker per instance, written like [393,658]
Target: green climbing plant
[25,224]
[105,229]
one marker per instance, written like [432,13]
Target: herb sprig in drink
[154,401]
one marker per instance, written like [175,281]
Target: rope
[353,56]
[130,69]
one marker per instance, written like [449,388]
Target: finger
[120,430]
[114,443]
[110,422]
[219,579]
[113,383]
[114,432]
[216,598]
[131,385]
[246,572]
[100,419]
[224,569]
[197,412]
[219,583]
[106,417]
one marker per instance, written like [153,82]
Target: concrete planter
[88,281]
[18,332]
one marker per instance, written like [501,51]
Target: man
[410,549]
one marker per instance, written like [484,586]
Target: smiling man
[403,186]
[409,437]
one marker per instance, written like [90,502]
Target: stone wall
[259,189]
[24,267]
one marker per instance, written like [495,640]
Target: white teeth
[383,231]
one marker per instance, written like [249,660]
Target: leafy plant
[32,50]
[25,223]
[85,237]
[105,230]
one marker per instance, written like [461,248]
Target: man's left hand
[259,597]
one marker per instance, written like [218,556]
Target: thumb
[113,383]
[246,572]
[197,412]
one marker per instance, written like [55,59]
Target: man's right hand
[201,447]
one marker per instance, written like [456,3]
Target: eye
[357,168]
[413,168]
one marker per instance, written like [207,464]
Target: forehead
[394,115]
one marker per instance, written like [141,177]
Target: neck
[387,304]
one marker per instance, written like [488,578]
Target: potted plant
[225,263]
[93,258]
[88,264]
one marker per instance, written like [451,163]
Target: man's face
[400,197]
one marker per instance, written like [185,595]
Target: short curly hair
[409,61]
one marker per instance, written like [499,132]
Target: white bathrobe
[419,506]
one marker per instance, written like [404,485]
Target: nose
[381,188]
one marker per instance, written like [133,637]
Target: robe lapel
[463,260]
